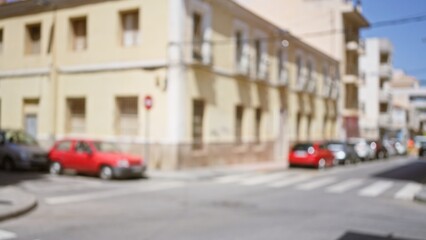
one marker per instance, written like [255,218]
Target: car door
[62,153]
[82,156]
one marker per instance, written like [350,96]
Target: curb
[24,208]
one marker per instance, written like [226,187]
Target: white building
[374,95]
[407,96]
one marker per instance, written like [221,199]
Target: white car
[362,148]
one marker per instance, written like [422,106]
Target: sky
[409,39]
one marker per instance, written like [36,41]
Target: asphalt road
[370,201]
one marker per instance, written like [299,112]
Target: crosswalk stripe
[345,186]
[408,191]
[290,181]
[263,179]
[7,235]
[375,189]
[111,193]
[232,178]
[316,183]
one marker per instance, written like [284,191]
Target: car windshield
[302,147]
[21,138]
[335,147]
[106,147]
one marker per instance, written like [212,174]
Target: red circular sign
[148,102]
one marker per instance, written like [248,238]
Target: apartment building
[408,96]
[375,94]
[333,27]
[227,86]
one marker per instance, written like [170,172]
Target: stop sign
[148,102]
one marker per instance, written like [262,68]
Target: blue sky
[409,40]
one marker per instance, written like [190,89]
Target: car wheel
[55,168]
[321,163]
[8,165]
[106,173]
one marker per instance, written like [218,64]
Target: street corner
[15,202]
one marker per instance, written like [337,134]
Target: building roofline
[26,7]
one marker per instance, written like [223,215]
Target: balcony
[385,70]
[300,83]
[356,46]
[385,120]
[422,116]
[283,77]
[384,96]
[335,91]
[385,46]
[242,67]
[326,89]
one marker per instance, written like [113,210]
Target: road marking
[290,181]
[111,193]
[408,191]
[264,179]
[375,189]
[7,235]
[316,183]
[232,178]
[345,186]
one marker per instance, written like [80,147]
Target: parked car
[18,150]
[390,148]
[362,148]
[378,151]
[401,149]
[343,152]
[94,157]
[311,154]
[422,149]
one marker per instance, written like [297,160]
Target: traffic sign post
[148,103]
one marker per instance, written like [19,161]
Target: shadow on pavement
[13,178]
[364,236]
[415,171]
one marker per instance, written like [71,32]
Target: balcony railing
[384,96]
[385,119]
[385,70]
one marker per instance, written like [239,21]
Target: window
[33,39]
[351,101]
[127,122]
[76,115]
[282,71]
[82,147]
[197,37]
[299,125]
[258,56]
[309,68]
[197,124]
[1,40]
[239,112]
[299,68]
[79,34]
[258,123]
[383,107]
[130,26]
[64,146]
[238,47]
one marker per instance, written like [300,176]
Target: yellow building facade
[228,87]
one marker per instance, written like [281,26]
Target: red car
[94,157]
[311,154]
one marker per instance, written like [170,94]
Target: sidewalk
[206,173]
[14,202]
